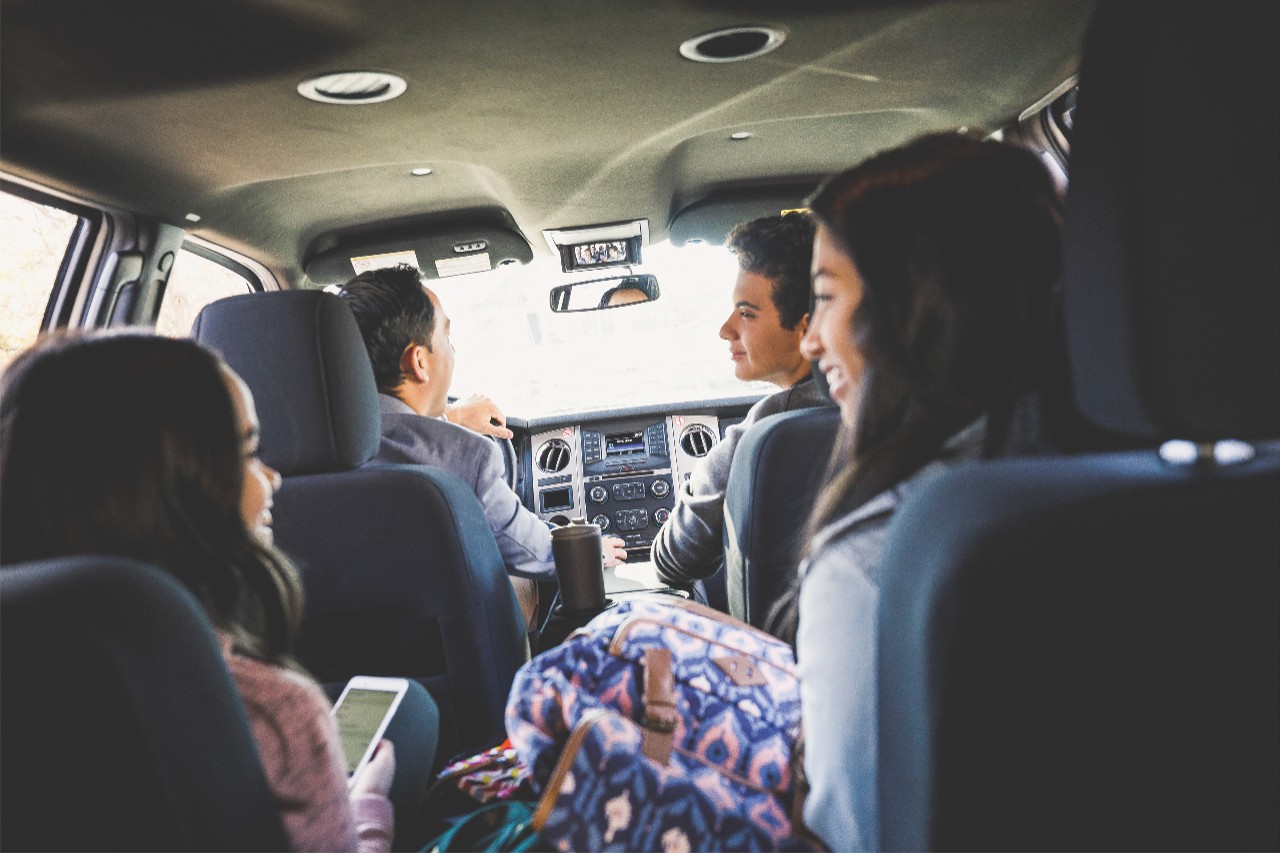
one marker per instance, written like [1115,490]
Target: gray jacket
[690,545]
[409,438]
[836,657]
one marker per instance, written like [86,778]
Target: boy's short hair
[780,248]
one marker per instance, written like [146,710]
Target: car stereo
[626,468]
[619,474]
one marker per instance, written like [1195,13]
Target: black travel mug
[579,565]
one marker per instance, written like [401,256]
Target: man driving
[406,333]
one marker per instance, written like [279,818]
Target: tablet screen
[359,717]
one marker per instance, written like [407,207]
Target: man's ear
[413,363]
[802,325]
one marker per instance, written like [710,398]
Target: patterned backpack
[661,725]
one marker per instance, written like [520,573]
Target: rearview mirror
[601,293]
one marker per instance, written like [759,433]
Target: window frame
[81,254]
[259,277]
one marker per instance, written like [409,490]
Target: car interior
[1077,651]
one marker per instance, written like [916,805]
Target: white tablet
[362,712]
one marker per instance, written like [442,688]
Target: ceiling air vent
[554,456]
[733,44]
[353,87]
[697,440]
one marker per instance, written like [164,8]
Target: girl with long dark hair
[146,447]
[933,284]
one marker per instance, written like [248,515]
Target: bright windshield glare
[534,363]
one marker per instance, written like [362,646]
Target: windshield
[534,363]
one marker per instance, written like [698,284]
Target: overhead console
[457,245]
[710,218]
[600,246]
[620,474]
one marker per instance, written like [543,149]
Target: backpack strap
[659,701]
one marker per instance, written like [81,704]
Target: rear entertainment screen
[596,254]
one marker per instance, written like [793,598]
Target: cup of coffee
[576,548]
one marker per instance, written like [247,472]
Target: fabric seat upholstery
[120,727]
[1084,653]
[776,474]
[401,571]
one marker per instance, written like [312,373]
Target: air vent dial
[697,440]
[554,456]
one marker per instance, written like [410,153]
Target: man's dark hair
[392,311]
[778,248]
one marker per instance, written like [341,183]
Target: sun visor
[710,219]
[439,249]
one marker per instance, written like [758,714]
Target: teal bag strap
[505,827]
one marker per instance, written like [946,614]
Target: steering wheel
[509,461]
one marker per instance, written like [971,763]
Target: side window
[193,284]
[33,242]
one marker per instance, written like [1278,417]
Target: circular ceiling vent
[353,87]
[554,456]
[733,44]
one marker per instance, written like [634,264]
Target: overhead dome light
[733,44]
[353,87]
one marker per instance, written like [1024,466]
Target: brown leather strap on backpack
[659,701]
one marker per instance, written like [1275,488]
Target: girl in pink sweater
[169,475]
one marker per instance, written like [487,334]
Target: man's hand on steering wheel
[478,414]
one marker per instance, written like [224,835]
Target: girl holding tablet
[169,475]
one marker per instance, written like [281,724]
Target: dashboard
[620,471]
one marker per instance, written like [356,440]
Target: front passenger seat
[401,571]
[773,481]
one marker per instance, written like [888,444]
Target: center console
[620,474]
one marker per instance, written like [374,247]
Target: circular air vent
[697,440]
[353,87]
[733,44]
[554,456]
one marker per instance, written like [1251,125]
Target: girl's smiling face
[837,292]
[260,479]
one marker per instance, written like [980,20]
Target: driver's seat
[402,573]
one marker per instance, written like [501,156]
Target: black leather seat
[776,474]
[120,727]
[1084,653]
[401,571]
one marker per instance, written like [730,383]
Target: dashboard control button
[628,491]
[601,521]
[660,515]
[660,488]
[598,494]
[631,519]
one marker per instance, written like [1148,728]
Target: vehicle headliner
[563,114]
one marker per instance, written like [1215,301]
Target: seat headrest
[302,356]
[1171,278]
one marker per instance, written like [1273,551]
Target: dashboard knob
[660,488]
[598,494]
[601,521]
[660,515]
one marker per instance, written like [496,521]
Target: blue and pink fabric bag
[661,725]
